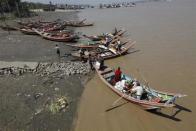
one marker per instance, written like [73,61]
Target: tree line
[18,8]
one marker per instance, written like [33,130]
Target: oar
[114,103]
[117,100]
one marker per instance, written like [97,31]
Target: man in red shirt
[118,75]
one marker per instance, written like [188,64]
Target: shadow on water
[179,109]
[114,107]
[164,115]
[131,52]
[173,116]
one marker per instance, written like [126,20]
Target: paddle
[116,101]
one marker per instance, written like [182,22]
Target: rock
[37,95]
[49,69]
[18,94]
[56,89]
[27,95]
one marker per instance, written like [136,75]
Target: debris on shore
[46,69]
[58,105]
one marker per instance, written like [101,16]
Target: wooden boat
[77,23]
[101,37]
[96,44]
[150,100]
[81,24]
[27,31]
[106,53]
[56,37]
[53,27]
[84,46]
[94,38]
[8,28]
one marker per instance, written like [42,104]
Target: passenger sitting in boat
[128,86]
[135,82]
[138,90]
[118,75]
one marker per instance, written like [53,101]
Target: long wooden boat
[53,27]
[56,37]
[94,38]
[152,99]
[27,31]
[106,53]
[97,43]
[81,24]
[7,27]
[84,46]
[77,24]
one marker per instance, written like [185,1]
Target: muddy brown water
[165,55]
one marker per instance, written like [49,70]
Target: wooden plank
[107,70]
[108,75]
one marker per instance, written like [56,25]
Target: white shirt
[56,47]
[138,89]
[120,85]
[118,42]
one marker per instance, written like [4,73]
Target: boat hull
[145,104]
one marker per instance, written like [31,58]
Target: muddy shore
[26,100]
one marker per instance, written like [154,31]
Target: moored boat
[95,44]
[27,31]
[59,37]
[81,24]
[94,38]
[78,23]
[151,98]
[106,52]
[7,27]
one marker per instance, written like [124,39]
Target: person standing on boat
[118,74]
[58,50]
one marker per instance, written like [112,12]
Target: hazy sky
[77,1]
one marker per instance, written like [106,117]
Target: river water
[165,54]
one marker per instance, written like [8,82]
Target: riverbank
[38,90]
